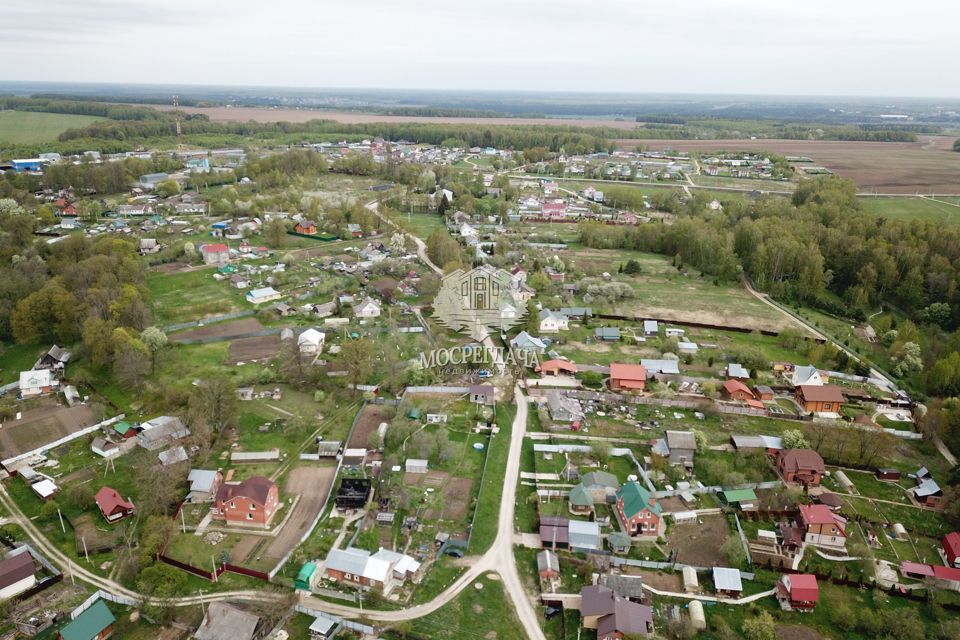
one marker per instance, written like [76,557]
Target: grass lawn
[191,295]
[420,224]
[911,209]
[487,609]
[27,127]
[488,504]
[16,358]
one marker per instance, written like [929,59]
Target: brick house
[819,399]
[801,466]
[306,227]
[951,547]
[215,253]
[638,512]
[822,527]
[253,501]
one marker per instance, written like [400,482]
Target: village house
[161,431]
[607,334]
[822,527]
[310,342]
[94,623]
[678,446]
[554,532]
[306,227]
[55,359]
[553,321]
[483,394]
[262,295]
[215,253]
[737,390]
[737,371]
[525,342]
[18,573]
[613,616]
[112,505]
[556,367]
[580,502]
[38,382]
[800,466]
[224,621]
[564,408]
[807,375]
[763,393]
[639,512]
[819,398]
[798,592]
[204,484]
[253,501]
[239,282]
[367,308]
[602,486]
[627,377]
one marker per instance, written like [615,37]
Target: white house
[367,308]
[808,375]
[265,294]
[310,342]
[37,382]
[552,321]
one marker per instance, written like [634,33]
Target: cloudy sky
[815,47]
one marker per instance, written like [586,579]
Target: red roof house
[112,505]
[216,253]
[736,390]
[798,591]
[627,377]
[555,367]
[951,546]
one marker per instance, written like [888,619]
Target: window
[233,505]
[249,516]
[464,288]
[253,507]
[480,283]
[827,405]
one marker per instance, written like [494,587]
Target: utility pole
[87,555]
[60,515]
[183,521]
[213,561]
[176,114]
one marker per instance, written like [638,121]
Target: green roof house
[619,542]
[580,500]
[743,498]
[124,429]
[638,512]
[303,578]
[96,623]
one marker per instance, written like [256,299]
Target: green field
[26,127]
[912,209]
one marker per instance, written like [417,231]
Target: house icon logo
[479,301]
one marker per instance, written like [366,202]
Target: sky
[815,47]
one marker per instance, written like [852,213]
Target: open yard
[699,544]
[252,349]
[925,166]
[28,127]
[219,330]
[190,295]
[936,210]
[42,425]
[365,430]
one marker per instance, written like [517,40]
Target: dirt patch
[42,425]
[312,484]
[718,318]
[699,545]
[241,551]
[96,536]
[456,494]
[364,434]
[220,330]
[927,165]
[672,505]
[252,349]
[672,582]
[796,632]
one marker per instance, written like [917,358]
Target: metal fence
[220,318]
[349,624]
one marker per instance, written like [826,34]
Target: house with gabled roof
[204,484]
[807,375]
[553,321]
[94,623]
[614,616]
[951,548]
[638,511]
[798,592]
[252,501]
[18,573]
[627,377]
[523,341]
[215,253]
[223,621]
[822,527]
[819,398]
[112,505]
[800,466]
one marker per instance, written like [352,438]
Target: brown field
[250,349]
[41,426]
[261,114]
[926,166]
[365,431]
[220,330]
[312,484]
[95,533]
[699,545]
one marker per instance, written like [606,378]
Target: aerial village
[683,461]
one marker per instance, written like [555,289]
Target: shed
[697,618]
[691,584]
[619,542]
[727,581]
[95,622]
[322,628]
[548,565]
[887,474]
